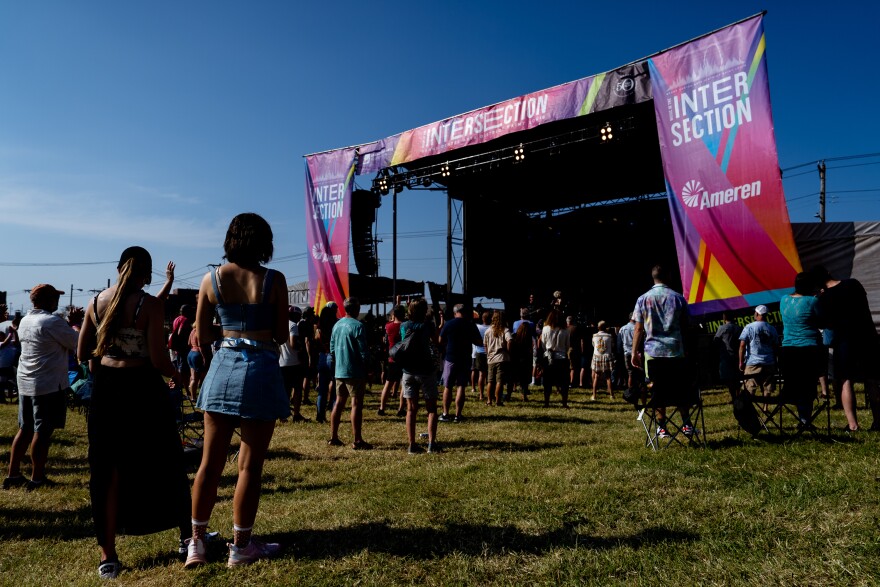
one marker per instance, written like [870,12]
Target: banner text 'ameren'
[328,200]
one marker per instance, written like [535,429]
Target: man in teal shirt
[348,347]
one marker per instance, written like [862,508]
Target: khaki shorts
[760,376]
[498,372]
[351,386]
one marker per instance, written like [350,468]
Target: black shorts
[392,372]
[293,376]
[857,360]
[481,363]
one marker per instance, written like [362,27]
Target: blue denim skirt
[246,383]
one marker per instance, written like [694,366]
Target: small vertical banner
[732,231]
[329,180]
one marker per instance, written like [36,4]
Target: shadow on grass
[295,487]
[574,418]
[744,439]
[500,445]
[284,453]
[31,523]
[470,540]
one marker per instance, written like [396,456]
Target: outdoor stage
[583,187]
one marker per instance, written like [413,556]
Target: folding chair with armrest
[672,389]
[795,406]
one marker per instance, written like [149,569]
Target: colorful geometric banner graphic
[627,85]
[732,231]
[329,178]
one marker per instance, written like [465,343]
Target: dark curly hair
[248,240]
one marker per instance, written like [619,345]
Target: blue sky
[154,123]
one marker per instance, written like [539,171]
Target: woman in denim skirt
[243,387]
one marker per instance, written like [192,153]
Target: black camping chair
[778,411]
[672,385]
[190,426]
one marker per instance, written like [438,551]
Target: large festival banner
[329,180]
[732,231]
[627,85]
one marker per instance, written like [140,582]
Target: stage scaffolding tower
[456,265]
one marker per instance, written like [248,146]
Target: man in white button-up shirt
[46,340]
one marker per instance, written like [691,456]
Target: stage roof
[576,166]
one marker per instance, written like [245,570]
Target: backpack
[412,353]
[745,414]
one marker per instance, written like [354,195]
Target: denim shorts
[246,383]
[195,361]
[42,413]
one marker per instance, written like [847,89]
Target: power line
[802,197]
[5,264]
[827,159]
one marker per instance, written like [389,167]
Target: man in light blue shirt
[757,352]
[625,336]
[348,347]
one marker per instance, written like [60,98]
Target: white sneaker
[195,554]
[251,553]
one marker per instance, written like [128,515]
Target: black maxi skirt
[132,429]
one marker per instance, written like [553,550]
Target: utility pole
[394,249]
[73,289]
[822,191]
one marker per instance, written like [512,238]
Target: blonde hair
[129,272]
[498,323]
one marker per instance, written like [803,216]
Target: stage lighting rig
[413,176]
[381,185]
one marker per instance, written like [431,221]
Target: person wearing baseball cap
[46,341]
[757,353]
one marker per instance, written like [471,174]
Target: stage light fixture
[426,181]
[606,132]
[398,188]
[444,170]
[380,184]
[519,153]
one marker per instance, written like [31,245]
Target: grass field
[521,496]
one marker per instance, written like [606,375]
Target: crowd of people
[249,360]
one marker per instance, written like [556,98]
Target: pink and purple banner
[627,85]
[329,180]
[732,232]
[329,175]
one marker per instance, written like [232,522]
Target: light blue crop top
[242,317]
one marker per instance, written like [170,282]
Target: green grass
[522,496]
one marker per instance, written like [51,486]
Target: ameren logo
[693,195]
[319,255]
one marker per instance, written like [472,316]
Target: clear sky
[154,123]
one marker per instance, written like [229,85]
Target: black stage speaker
[363,216]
